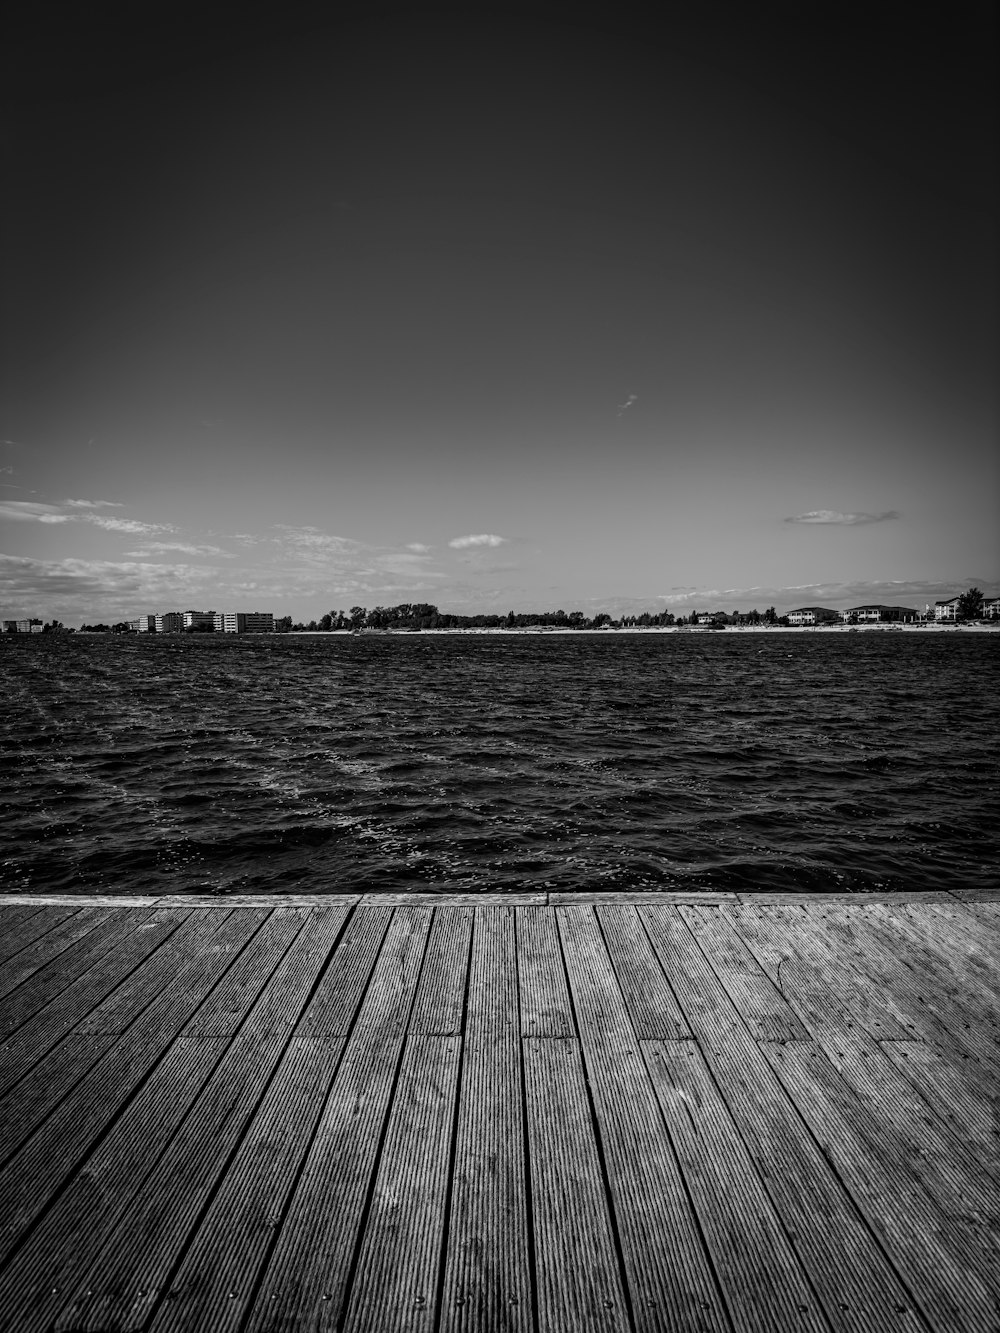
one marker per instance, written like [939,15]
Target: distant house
[22,626]
[874,614]
[812,615]
[713,618]
[991,608]
[947,610]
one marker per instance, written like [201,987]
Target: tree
[357,614]
[970,605]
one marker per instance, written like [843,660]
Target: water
[601,762]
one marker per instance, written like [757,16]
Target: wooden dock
[722,1112]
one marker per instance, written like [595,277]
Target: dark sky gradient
[299,299]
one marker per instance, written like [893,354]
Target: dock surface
[547,1112]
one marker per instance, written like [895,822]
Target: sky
[528,307]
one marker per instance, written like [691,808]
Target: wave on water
[422,762]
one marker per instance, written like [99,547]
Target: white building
[170,622]
[873,614]
[811,615]
[991,608]
[946,610]
[244,622]
[145,625]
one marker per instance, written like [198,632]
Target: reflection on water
[820,762]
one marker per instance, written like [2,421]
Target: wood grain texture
[488,1273]
[544,999]
[534,1115]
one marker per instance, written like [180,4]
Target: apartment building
[947,610]
[22,626]
[199,620]
[170,622]
[144,625]
[245,622]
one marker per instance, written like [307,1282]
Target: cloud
[32,511]
[184,548]
[836,517]
[624,407]
[419,547]
[94,504]
[130,525]
[477,539]
[78,511]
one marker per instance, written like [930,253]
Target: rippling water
[757,761]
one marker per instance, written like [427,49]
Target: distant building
[244,622]
[22,626]
[812,615]
[145,625]
[199,620]
[170,622]
[874,614]
[991,608]
[713,618]
[947,610]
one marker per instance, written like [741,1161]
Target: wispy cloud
[624,407]
[31,511]
[133,526]
[477,539]
[419,547]
[844,520]
[79,511]
[182,548]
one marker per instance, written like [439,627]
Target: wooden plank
[225,902]
[225,1008]
[67,1009]
[121,1288]
[53,949]
[857,1288]
[487,1282]
[914,985]
[25,930]
[964,1097]
[484,899]
[938,1256]
[305,1283]
[30,1101]
[950,931]
[977,895]
[14,912]
[761,1005]
[765,1285]
[331,1010]
[670,1285]
[786,936]
[50,1156]
[147,983]
[216,1280]
[395,1286]
[49,979]
[597,898]
[896,1111]
[68,1238]
[544,999]
[652,1005]
[579,1280]
[441,998]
